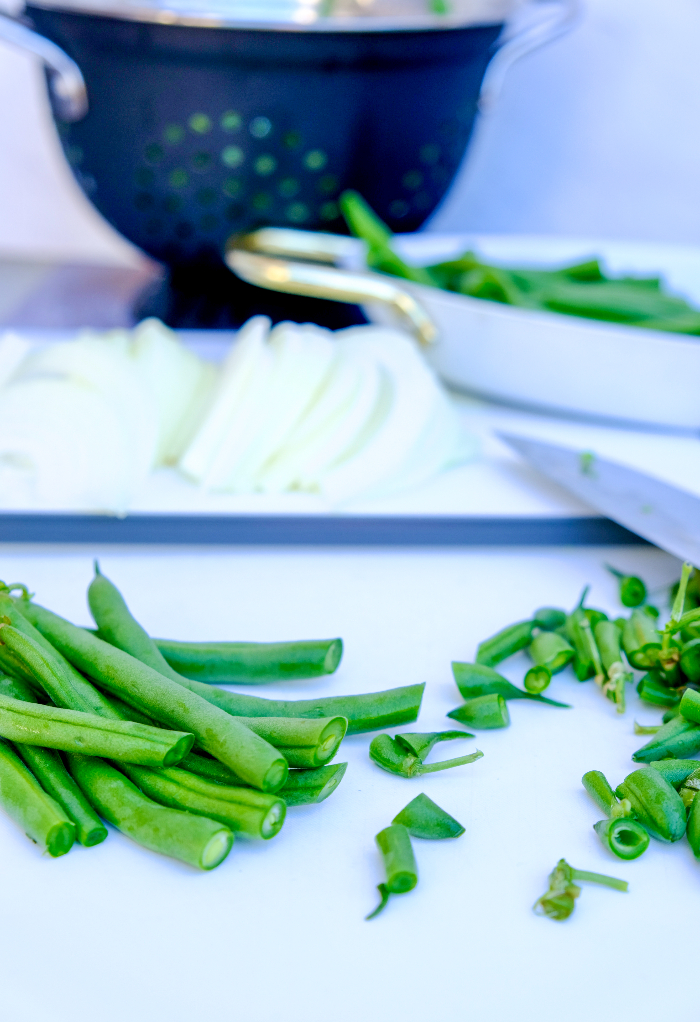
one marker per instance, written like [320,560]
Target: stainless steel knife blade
[667,516]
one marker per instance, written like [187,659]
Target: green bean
[652,690]
[25,801]
[243,810]
[580,635]
[646,729]
[478,680]
[624,837]
[425,819]
[607,638]
[537,679]
[504,643]
[641,640]
[677,739]
[219,733]
[73,731]
[226,663]
[308,787]
[252,663]
[559,900]
[303,742]
[551,650]
[633,592]
[675,771]
[195,840]
[620,834]
[65,686]
[399,862]
[47,766]
[656,804]
[690,705]
[398,755]
[690,660]
[364,223]
[549,618]
[483,712]
[693,829]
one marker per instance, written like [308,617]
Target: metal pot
[213,117]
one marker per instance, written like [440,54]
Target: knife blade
[667,516]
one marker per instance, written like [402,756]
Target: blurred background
[594,135]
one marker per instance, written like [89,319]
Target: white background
[596,135]
[277,932]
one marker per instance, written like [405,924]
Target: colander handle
[66,83]
[316,281]
[539,22]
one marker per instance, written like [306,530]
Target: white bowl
[564,364]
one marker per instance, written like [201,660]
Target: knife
[665,515]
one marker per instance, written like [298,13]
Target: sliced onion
[13,350]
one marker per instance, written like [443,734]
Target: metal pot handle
[66,83]
[243,257]
[541,22]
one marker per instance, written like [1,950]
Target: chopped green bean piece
[693,829]
[549,618]
[425,819]
[690,705]
[677,739]
[580,634]
[641,640]
[478,680]
[41,818]
[656,804]
[397,757]
[504,643]
[646,729]
[616,675]
[596,784]
[625,838]
[195,840]
[308,787]
[652,690]
[633,592]
[399,862]
[551,650]
[675,771]
[690,660]
[559,900]
[537,679]
[483,712]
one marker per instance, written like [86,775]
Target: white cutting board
[277,932]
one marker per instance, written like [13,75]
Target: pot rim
[303,16]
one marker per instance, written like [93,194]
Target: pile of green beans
[97,726]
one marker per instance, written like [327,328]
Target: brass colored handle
[316,281]
[313,245]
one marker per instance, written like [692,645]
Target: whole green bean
[250,756]
[25,801]
[243,810]
[656,804]
[65,686]
[425,819]
[303,742]
[677,739]
[195,840]
[483,712]
[47,766]
[73,731]
[479,680]
[214,662]
[504,643]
